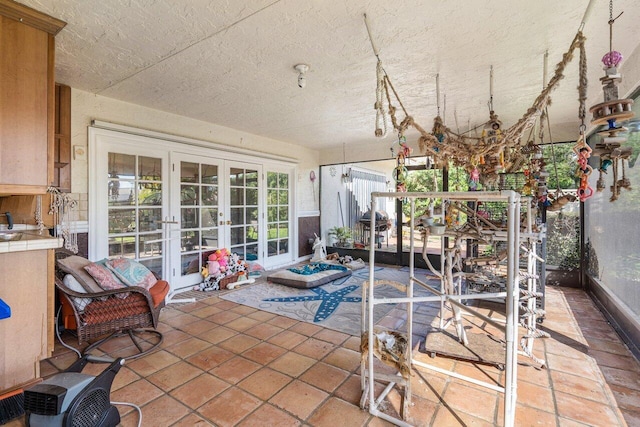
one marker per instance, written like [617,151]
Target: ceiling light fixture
[301,69]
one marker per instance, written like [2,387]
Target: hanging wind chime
[612,112]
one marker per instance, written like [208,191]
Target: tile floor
[226,364]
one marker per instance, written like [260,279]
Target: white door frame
[105,137]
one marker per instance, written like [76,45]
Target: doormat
[336,305]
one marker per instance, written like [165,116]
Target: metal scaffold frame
[511,295]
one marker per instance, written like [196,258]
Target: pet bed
[309,276]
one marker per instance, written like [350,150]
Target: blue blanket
[316,268]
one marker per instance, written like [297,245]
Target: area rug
[336,305]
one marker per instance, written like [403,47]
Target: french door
[215,204]
[166,207]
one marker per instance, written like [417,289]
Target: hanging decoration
[612,112]
[400,173]
[497,149]
[61,208]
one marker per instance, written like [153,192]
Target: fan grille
[91,409]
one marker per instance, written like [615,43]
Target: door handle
[229,222]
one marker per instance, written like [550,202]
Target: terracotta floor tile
[269,415]
[534,375]
[192,420]
[198,327]
[217,335]
[200,390]
[584,366]
[299,398]
[239,343]
[427,385]
[336,409]
[528,416]
[224,317]
[263,331]
[188,347]
[350,390]
[173,336]
[325,377]
[292,364]
[465,398]
[352,343]
[174,375]
[484,373]
[449,417]
[304,328]
[421,412]
[331,336]
[287,339]
[206,312]
[283,322]
[343,358]
[229,407]
[153,362]
[181,320]
[579,386]
[245,310]
[138,392]
[163,411]
[586,411]
[210,358]
[235,370]
[264,383]
[535,396]
[314,348]
[123,377]
[565,422]
[226,305]
[264,353]
[262,316]
[241,324]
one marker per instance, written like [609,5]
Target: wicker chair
[131,311]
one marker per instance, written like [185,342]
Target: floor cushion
[309,276]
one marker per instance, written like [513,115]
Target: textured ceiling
[231,62]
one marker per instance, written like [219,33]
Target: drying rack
[511,295]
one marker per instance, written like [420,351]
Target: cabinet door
[24,92]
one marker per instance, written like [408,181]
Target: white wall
[86,106]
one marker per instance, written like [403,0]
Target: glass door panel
[278,213]
[199,208]
[134,207]
[243,211]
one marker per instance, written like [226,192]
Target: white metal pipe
[389,418]
[372,254]
[459,376]
[479,315]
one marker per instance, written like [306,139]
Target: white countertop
[32,240]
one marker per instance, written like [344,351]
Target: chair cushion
[132,273]
[105,278]
[71,283]
[159,291]
[74,265]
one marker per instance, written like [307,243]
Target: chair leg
[136,337]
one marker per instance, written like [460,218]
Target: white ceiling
[230,62]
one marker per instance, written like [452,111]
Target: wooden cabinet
[27,98]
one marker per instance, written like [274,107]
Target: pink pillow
[131,273]
[105,278]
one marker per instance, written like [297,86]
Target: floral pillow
[105,278]
[132,273]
